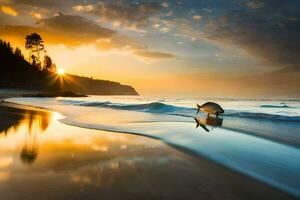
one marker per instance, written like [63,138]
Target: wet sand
[41,158]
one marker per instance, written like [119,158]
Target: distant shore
[55,94]
[11,94]
[4,94]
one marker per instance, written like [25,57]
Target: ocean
[258,138]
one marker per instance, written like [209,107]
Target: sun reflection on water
[43,142]
[28,123]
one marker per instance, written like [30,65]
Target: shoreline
[221,169]
[242,153]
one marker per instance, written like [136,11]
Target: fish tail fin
[204,127]
[198,108]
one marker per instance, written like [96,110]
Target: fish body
[210,108]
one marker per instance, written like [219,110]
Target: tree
[28,45]
[9,46]
[18,53]
[34,61]
[34,43]
[47,63]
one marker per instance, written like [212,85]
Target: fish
[210,121]
[210,108]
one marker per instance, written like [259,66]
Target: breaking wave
[162,108]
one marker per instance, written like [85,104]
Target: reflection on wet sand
[210,121]
[76,163]
[12,118]
[34,121]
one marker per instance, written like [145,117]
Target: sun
[60,71]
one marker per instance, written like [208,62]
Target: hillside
[17,73]
[101,87]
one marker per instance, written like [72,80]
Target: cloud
[74,25]
[185,28]
[263,30]
[165,5]
[197,17]
[36,15]
[153,54]
[9,11]
[126,13]
[164,30]
[16,34]
[275,41]
[255,4]
[49,4]
[72,31]
[83,8]
[268,31]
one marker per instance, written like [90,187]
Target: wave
[163,108]
[262,116]
[153,107]
[276,106]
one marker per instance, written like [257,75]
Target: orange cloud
[9,11]
[83,8]
[36,15]
[153,54]
[73,31]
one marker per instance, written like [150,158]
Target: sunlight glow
[61,71]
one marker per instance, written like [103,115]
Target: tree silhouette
[28,45]
[28,156]
[18,53]
[34,60]
[48,64]
[35,44]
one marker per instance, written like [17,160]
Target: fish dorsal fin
[205,104]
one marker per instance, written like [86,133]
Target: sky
[197,48]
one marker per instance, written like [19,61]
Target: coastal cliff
[18,73]
[87,85]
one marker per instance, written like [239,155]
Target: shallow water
[257,138]
[41,158]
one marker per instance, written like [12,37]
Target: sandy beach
[40,155]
